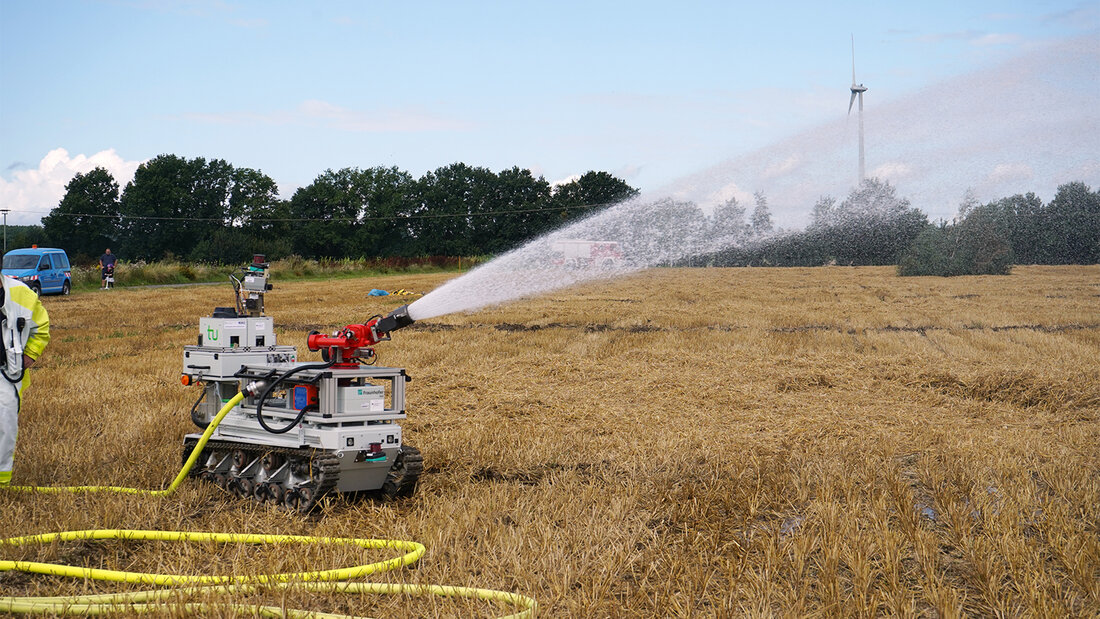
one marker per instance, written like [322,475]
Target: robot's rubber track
[302,476]
[403,475]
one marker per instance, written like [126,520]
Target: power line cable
[331,219]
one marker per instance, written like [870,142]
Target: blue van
[45,269]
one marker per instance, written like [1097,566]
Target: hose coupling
[254,388]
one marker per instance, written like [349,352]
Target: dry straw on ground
[696,442]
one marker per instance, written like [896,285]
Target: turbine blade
[853,60]
[851,102]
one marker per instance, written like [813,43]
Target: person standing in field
[25,331]
[106,263]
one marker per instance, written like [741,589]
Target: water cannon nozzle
[395,320]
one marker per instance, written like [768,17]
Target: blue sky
[650,91]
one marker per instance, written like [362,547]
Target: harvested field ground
[684,442]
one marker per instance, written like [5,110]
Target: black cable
[16,380]
[332,219]
[271,387]
[194,419]
[22,368]
[20,324]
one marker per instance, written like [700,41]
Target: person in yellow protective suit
[25,331]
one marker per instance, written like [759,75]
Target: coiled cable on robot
[271,387]
[334,580]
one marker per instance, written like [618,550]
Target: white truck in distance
[586,254]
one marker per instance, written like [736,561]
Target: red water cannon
[354,342]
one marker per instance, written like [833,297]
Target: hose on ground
[145,601]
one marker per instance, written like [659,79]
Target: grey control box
[206,362]
[243,332]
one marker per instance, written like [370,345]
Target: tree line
[210,211]
[873,226]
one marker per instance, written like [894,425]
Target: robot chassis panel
[341,422]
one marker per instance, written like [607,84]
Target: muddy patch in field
[514,327]
[510,327]
[535,475]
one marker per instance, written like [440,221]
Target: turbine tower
[857,89]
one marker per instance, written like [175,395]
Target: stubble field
[683,442]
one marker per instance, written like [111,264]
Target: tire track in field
[510,327]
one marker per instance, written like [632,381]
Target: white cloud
[31,194]
[892,171]
[566,180]
[1003,172]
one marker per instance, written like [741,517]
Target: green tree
[872,226]
[1023,215]
[727,225]
[761,221]
[352,212]
[450,209]
[528,198]
[931,253]
[330,209]
[1073,221]
[255,207]
[980,244]
[592,192]
[825,213]
[86,221]
[204,210]
[25,236]
[984,242]
[872,200]
[174,203]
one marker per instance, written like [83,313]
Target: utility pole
[5,211]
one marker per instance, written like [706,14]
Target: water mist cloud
[975,131]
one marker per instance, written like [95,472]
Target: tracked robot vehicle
[302,430]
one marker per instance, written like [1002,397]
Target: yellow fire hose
[335,580]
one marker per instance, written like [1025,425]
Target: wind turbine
[857,89]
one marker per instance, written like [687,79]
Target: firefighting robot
[303,430]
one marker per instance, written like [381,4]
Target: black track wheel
[403,475]
[245,488]
[277,493]
[271,462]
[307,500]
[301,500]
